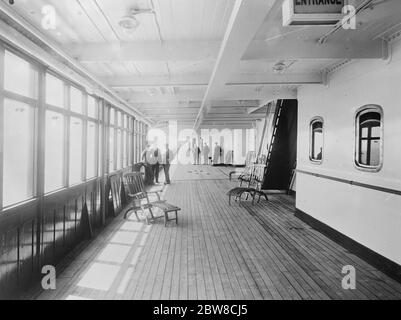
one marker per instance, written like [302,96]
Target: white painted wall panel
[370,217]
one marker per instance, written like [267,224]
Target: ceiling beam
[288,47]
[192,95]
[156,113]
[133,82]
[236,116]
[255,92]
[165,105]
[233,103]
[225,93]
[256,109]
[292,48]
[145,51]
[246,19]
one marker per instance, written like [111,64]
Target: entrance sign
[312,12]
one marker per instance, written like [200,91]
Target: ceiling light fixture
[279,67]
[129,23]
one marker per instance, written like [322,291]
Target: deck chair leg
[137,217]
[151,213]
[267,199]
[240,197]
[145,216]
[126,214]
[176,217]
[229,200]
[128,211]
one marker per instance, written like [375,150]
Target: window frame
[65,151]
[311,140]
[96,151]
[34,103]
[40,106]
[357,139]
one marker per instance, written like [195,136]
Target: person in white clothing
[205,153]
[216,154]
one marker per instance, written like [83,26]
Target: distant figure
[216,154]
[156,163]
[146,155]
[166,164]
[196,153]
[205,153]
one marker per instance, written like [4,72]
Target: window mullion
[41,135]
[85,123]
[67,137]
[2,71]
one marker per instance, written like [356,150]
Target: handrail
[352,182]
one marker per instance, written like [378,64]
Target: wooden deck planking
[330,257]
[223,252]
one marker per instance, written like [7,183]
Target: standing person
[198,153]
[205,153]
[156,164]
[166,164]
[195,153]
[221,155]
[146,155]
[216,154]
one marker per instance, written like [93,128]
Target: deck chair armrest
[156,193]
[134,195]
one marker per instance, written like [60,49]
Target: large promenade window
[54,155]
[75,167]
[54,134]
[18,148]
[18,106]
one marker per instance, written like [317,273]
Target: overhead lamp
[130,23]
[279,67]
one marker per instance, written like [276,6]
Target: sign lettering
[318,6]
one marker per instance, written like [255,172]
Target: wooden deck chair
[250,158]
[257,181]
[136,192]
[254,186]
[116,188]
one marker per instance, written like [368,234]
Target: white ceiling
[186,55]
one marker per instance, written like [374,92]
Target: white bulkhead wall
[370,217]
